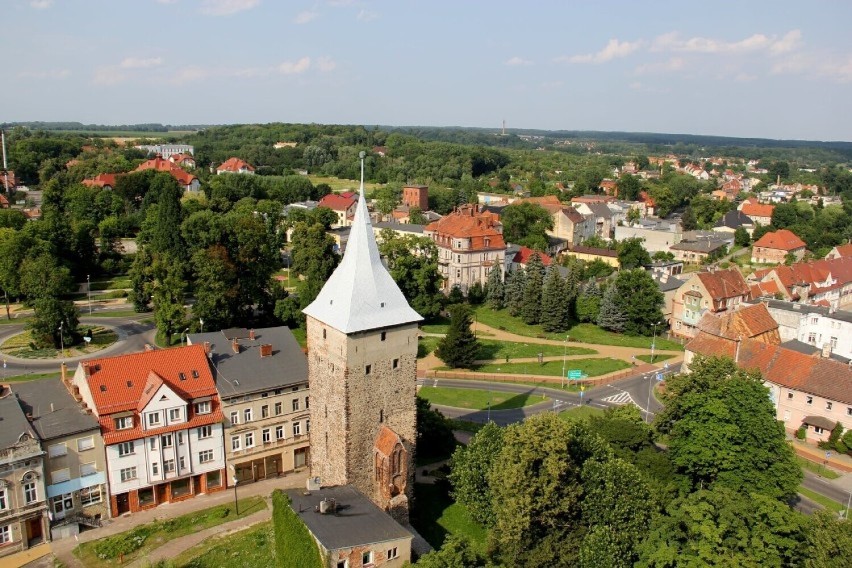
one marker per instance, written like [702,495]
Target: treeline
[60,126]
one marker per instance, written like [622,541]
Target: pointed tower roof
[361,294]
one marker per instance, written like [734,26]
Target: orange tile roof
[782,239]
[386,441]
[550,203]
[101,180]
[721,284]
[757,209]
[748,322]
[467,222]
[844,250]
[759,289]
[234,165]
[337,202]
[813,272]
[162,165]
[524,255]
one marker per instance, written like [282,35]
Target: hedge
[294,545]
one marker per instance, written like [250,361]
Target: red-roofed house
[840,251]
[470,245]
[713,291]
[185,160]
[161,421]
[609,187]
[568,223]
[234,166]
[106,181]
[523,256]
[342,204]
[773,247]
[812,282]
[187,181]
[758,212]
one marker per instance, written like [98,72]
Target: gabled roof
[524,255]
[337,202]
[768,288]
[842,251]
[101,180]
[781,239]
[361,295]
[734,219]
[14,423]
[813,272]
[748,322]
[234,165]
[470,222]
[757,209]
[163,165]
[721,284]
[386,441]
[550,203]
[54,411]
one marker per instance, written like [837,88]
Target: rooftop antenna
[362,154]
[5,168]
[504,128]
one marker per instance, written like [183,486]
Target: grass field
[657,357]
[491,349]
[436,325]
[137,542]
[120,283]
[580,413]
[338,184]
[253,547]
[301,336]
[437,516]
[816,468]
[829,504]
[475,399]
[590,367]
[582,332]
[29,377]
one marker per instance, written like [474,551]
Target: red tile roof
[337,202]
[757,209]
[550,203]
[781,239]
[722,284]
[101,180]
[760,289]
[234,165]
[844,250]
[161,165]
[815,273]
[524,255]
[469,223]
[748,322]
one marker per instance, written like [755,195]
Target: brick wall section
[349,406]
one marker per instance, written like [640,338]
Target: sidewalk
[63,548]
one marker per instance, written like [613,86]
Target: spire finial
[361,155]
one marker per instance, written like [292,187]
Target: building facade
[416,196]
[773,247]
[818,326]
[712,291]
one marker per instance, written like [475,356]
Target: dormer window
[154,419]
[124,423]
[194,374]
[182,376]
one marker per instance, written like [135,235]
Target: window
[828,405]
[307,425]
[266,436]
[307,402]
[182,462]
[818,430]
[84,444]
[247,415]
[30,492]
[202,407]
[789,396]
[264,411]
[57,450]
[60,475]
[154,419]
[367,557]
[384,335]
[814,321]
[5,534]
[279,408]
[392,553]
[206,456]
[368,369]
[205,432]
[396,363]
[169,466]
[90,496]
[155,468]
[235,417]
[180,438]
[297,428]
[812,337]
[833,343]
[810,400]
[235,443]
[152,444]
[174,415]
[279,432]
[62,503]
[214,478]
[124,423]
[295,404]
[249,440]
[126,448]
[849,411]
[88,469]
[4,500]
[167,441]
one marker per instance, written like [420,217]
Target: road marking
[621,398]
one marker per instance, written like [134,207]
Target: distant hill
[79,126]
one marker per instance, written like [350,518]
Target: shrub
[294,545]
[801,433]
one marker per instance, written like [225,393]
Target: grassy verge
[816,468]
[142,539]
[580,413]
[426,345]
[112,314]
[301,336]
[252,546]
[465,425]
[436,515]
[436,325]
[657,358]
[112,284]
[29,377]
[21,345]
[478,399]
[829,504]
[591,367]
[491,349]
[338,184]
[582,332]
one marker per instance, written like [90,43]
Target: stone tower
[362,351]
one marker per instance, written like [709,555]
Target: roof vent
[251,334]
[182,376]
[194,374]
[235,345]
[103,388]
[129,383]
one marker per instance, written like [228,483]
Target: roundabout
[94,338]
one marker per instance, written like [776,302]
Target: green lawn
[113,314]
[338,184]
[137,542]
[816,468]
[20,345]
[30,377]
[580,413]
[590,367]
[426,345]
[829,504]
[582,332]
[435,516]
[436,325]
[119,283]
[250,548]
[301,336]
[476,399]
[657,357]
[491,349]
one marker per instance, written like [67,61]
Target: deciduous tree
[526,224]
[471,465]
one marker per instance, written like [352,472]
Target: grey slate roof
[702,245]
[734,219]
[361,295]
[839,315]
[600,210]
[357,520]
[13,423]
[666,284]
[247,372]
[66,417]
[808,349]
[405,227]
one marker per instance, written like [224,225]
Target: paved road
[825,487]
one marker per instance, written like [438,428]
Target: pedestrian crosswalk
[620,398]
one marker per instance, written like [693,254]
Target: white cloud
[137,63]
[326,64]
[49,74]
[107,76]
[41,4]
[294,68]
[831,67]
[189,74]
[613,50]
[305,17]
[753,43]
[668,66]
[366,16]
[789,42]
[226,7]
[517,62]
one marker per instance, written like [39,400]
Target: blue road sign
[659,376]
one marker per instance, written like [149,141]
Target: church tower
[362,358]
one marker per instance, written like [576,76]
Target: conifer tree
[495,289]
[588,304]
[514,297]
[458,348]
[572,290]
[554,302]
[531,307]
[611,316]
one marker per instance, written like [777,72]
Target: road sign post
[575,374]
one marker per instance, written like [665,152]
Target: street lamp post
[234,481]
[183,340]
[564,352]
[61,340]
[201,321]
[654,341]
[89,292]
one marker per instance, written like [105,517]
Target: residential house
[600,215]
[161,421]
[75,464]
[187,181]
[609,187]
[698,250]
[733,220]
[711,291]
[668,285]
[502,199]
[416,196]
[235,166]
[840,251]
[824,282]
[350,530]
[470,244]
[166,150]
[185,160]
[262,379]
[670,267]
[523,255]
[105,181]
[590,254]
[341,203]
[399,229]
[773,247]
[818,326]
[23,505]
[658,236]
[568,223]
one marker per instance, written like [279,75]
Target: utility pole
[89,291]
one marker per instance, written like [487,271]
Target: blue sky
[776,69]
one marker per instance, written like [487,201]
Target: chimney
[207,347]
[266,350]
[87,368]
[737,352]
[63,371]
[826,350]
[251,334]
[235,345]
